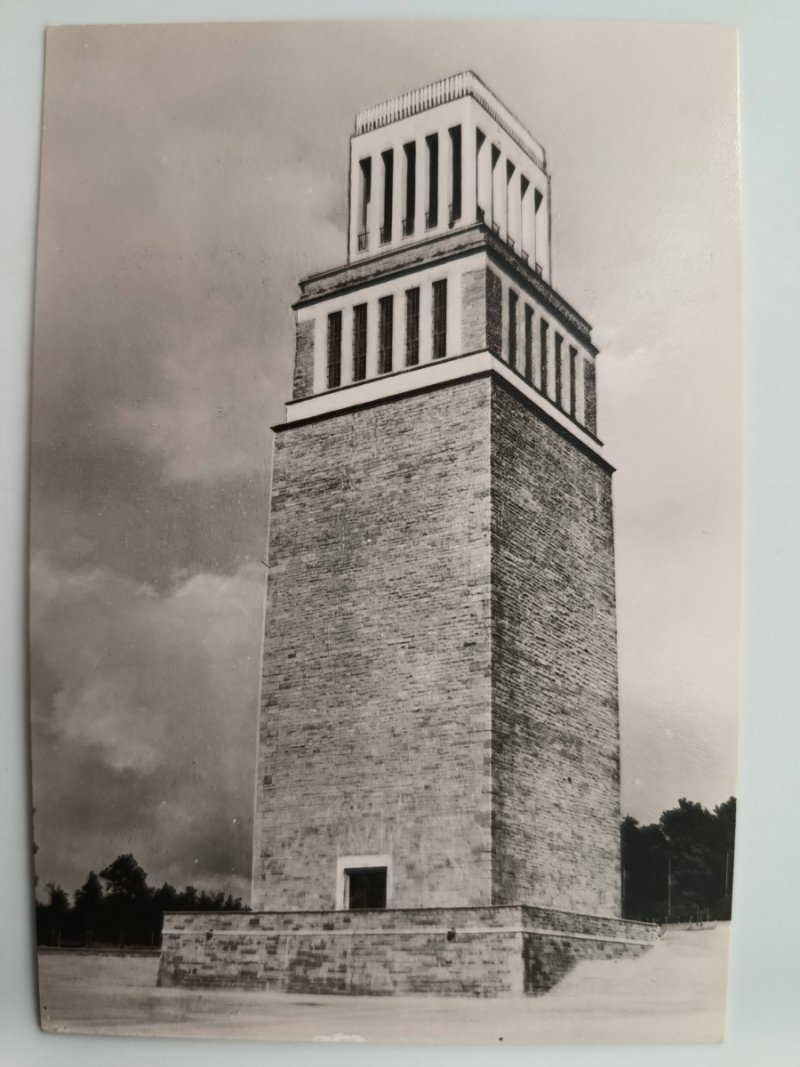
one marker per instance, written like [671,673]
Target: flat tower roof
[442,92]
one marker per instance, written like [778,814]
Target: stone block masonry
[501,951]
[376,699]
[555,742]
[440,658]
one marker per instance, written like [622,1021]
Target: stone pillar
[473,310]
[514,204]
[484,169]
[469,190]
[425,322]
[494,313]
[304,359]
[589,395]
[347,346]
[372,339]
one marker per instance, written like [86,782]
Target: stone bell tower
[439,750]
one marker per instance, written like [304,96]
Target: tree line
[118,907]
[680,868]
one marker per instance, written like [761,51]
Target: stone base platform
[508,950]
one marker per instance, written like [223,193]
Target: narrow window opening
[412,327]
[365,195]
[529,344]
[512,328]
[410,152]
[440,319]
[365,888]
[385,331]
[334,349]
[432,214]
[359,342]
[573,375]
[543,360]
[455,174]
[558,361]
[388,187]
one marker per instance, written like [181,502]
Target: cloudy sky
[190,176]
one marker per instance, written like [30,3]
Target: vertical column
[352,222]
[399,338]
[539,211]
[543,234]
[483,166]
[372,338]
[347,345]
[512,204]
[501,196]
[425,322]
[375,207]
[526,243]
[589,395]
[469,185]
[496,187]
[305,338]
[580,405]
[454,343]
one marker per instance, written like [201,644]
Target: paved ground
[676,992]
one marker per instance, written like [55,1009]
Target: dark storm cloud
[144,720]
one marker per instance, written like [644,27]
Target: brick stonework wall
[555,759]
[376,702]
[304,360]
[459,951]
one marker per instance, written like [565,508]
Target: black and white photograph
[386,531]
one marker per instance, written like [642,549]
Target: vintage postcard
[386,531]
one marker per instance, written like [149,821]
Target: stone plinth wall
[502,951]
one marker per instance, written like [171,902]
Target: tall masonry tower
[438,771]
[439,687]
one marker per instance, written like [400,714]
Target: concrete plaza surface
[674,993]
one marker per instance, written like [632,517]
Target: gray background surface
[762,1021]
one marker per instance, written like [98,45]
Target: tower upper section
[442,158]
[448,268]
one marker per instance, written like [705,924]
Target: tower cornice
[440,249]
